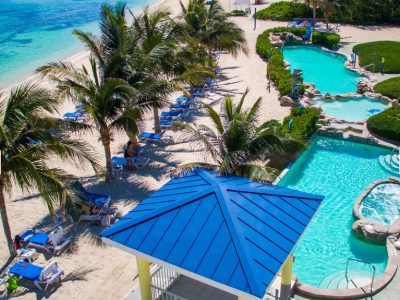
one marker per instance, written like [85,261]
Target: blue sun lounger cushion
[39,238]
[95,199]
[26,270]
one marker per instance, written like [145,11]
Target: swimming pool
[340,170]
[326,70]
[353,109]
[382,203]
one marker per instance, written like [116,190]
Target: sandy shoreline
[95,271]
[78,58]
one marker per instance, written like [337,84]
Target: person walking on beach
[269,86]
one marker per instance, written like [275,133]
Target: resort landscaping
[382,56]
[190,154]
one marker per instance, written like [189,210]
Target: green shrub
[389,87]
[372,53]
[279,75]
[285,11]
[304,122]
[238,13]
[328,40]
[386,124]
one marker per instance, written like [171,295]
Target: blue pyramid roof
[225,229]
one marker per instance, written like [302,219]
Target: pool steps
[338,280]
[390,162]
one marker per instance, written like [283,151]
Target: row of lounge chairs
[94,207]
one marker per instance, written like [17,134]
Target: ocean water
[340,170]
[326,70]
[35,32]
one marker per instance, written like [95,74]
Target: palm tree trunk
[157,127]
[5,222]
[314,11]
[106,140]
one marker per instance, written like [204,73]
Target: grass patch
[372,53]
[285,11]
[386,124]
[389,87]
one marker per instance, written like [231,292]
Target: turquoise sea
[34,32]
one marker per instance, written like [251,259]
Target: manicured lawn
[372,53]
[285,11]
[389,87]
[386,124]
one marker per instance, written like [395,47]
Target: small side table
[29,254]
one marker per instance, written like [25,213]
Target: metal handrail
[373,67]
[364,262]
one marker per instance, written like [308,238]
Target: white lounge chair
[40,276]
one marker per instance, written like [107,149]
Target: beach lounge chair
[89,198]
[54,243]
[170,115]
[138,161]
[40,276]
[167,124]
[73,116]
[155,137]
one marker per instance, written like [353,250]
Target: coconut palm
[111,46]
[108,102]
[212,28]
[160,62]
[29,138]
[237,146]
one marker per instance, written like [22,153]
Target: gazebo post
[143,267]
[286,278]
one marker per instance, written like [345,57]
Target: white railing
[161,279]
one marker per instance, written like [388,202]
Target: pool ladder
[364,262]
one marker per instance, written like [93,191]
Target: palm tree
[108,102]
[160,61]
[29,138]
[212,28]
[112,45]
[237,146]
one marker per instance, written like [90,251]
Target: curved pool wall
[382,203]
[325,69]
[340,170]
[351,109]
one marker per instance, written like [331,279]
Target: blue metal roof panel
[228,229]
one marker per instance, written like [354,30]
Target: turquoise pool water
[326,70]
[353,109]
[382,204]
[341,171]
[34,32]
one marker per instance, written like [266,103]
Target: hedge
[285,11]
[328,40]
[389,87]
[372,53]
[304,122]
[238,13]
[363,12]
[279,75]
[386,124]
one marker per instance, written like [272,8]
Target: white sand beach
[96,271]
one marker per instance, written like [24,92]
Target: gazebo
[226,232]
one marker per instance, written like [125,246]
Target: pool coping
[361,292]
[365,291]
[356,208]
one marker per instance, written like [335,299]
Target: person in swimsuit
[131,150]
